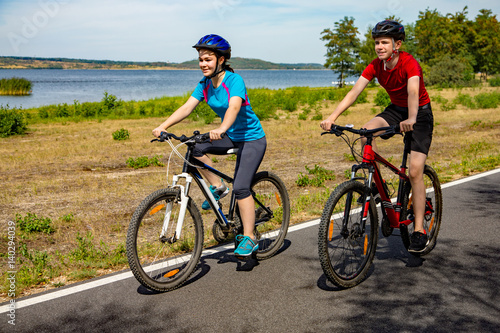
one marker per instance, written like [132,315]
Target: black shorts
[421,136]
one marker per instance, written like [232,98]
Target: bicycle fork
[184,199]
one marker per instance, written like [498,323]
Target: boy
[401,76]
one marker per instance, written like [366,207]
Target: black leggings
[248,159]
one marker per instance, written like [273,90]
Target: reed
[15,86]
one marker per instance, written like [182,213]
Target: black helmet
[215,43]
[388,28]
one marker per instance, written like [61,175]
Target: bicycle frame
[370,161]
[190,171]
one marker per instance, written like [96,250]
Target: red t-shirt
[395,81]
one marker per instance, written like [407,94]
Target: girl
[225,93]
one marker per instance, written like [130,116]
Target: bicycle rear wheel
[164,263]
[433,210]
[346,250]
[272,213]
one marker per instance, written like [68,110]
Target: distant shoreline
[64,63]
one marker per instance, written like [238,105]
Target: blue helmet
[215,43]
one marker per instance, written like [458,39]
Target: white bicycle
[165,236]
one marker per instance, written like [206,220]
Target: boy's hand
[407,125]
[326,124]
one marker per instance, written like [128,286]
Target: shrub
[382,98]
[449,72]
[494,82]
[464,99]
[32,223]
[203,112]
[121,134]
[487,100]
[90,109]
[110,102]
[12,122]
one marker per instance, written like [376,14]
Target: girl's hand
[216,134]
[407,125]
[157,131]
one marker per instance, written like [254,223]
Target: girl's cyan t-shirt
[247,126]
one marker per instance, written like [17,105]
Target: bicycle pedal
[246,258]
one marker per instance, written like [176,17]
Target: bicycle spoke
[346,246]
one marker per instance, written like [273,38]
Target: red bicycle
[348,231]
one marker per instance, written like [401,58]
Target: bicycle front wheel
[433,210]
[272,213]
[346,244]
[164,262]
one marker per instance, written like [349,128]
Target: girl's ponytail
[227,67]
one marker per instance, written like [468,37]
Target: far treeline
[451,48]
[66,63]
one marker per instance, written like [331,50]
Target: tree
[342,48]
[410,44]
[366,52]
[431,36]
[486,43]
[461,34]
[445,37]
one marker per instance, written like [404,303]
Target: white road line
[125,275]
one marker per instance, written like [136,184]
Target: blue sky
[286,31]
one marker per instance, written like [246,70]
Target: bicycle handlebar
[196,137]
[338,130]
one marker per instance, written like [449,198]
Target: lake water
[55,86]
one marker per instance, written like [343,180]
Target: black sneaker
[418,242]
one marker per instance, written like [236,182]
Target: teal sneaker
[246,247]
[218,192]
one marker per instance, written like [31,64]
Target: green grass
[144,162]
[265,103]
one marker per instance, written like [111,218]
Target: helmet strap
[394,52]
[216,72]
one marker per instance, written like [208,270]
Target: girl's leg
[250,156]
[212,178]
[219,147]
[247,213]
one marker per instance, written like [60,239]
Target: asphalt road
[453,289]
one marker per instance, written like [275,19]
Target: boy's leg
[416,174]
[374,123]
[419,238]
